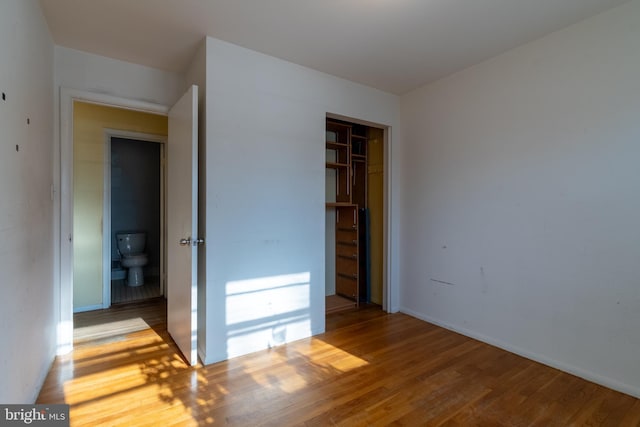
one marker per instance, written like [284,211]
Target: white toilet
[131,247]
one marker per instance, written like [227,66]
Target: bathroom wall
[89,122]
[135,195]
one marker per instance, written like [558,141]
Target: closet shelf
[337,165]
[346,148]
[339,204]
[337,144]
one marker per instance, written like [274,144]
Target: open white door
[182,225]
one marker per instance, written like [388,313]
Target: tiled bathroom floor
[121,293]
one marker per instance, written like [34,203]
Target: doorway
[355,220]
[93,128]
[134,205]
[82,191]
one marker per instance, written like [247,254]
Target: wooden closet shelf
[339,204]
[337,165]
[346,155]
[337,144]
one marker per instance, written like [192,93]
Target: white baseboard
[88,308]
[42,377]
[582,373]
[202,355]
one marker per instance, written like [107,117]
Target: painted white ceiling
[393,45]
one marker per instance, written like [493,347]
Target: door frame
[63,232]
[106,205]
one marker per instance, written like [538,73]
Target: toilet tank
[131,242]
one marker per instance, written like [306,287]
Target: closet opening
[354,239]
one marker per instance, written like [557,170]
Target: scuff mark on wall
[443,282]
[483,278]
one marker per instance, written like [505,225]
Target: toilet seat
[134,258]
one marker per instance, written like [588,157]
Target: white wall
[27,306]
[265,206]
[521,184]
[80,70]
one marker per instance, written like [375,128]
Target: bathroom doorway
[87,122]
[134,204]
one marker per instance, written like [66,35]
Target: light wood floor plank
[369,369]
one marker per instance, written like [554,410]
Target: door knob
[185,242]
[198,242]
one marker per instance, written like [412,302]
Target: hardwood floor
[370,368]
[113,324]
[335,303]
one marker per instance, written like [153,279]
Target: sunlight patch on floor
[316,364]
[109,329]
